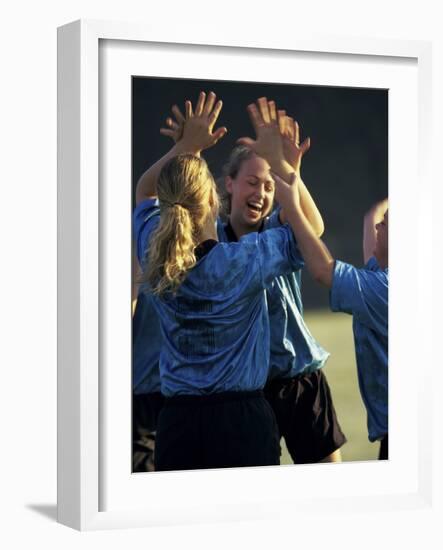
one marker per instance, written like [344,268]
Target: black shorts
[384,449]
[145,410]
[306,416]
[223,430]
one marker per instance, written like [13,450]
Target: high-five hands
[272,128]
[194,131]
[292,148]
[266,121]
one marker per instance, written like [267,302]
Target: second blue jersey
[293,349]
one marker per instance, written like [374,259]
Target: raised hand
[194,131]
[174,128]
[266,121]
[287,190]
[292,148]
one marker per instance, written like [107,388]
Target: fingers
[290,128]
[255,117]
[293,129]
[262,113]
[219,133]
[178,114]
[305,145]
[281,117]
[205,107]
[209,104]
[214,115]
[188,109]
[172,124]
[168,133]
[262,103]
[296,133]
[272,111]
[200,104]
[278,180]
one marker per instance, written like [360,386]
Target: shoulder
[359,290]
[146,217]
[278,238]
[247,253]
[146,209]
[351,276]
[372,265]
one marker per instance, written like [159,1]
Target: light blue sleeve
[277,252]
[145,220]
[273,222]
[363,293]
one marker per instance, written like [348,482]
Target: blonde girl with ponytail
[209,298]
[188,211]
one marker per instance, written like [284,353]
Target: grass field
[334,332]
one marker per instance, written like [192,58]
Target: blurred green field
[334,332]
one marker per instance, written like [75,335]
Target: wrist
[182,148]
[282,168]
[295,165]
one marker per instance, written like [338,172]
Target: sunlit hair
[238,156]
[187,195]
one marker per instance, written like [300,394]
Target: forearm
[310,210]
[372,217]
[317,257]
[147,184]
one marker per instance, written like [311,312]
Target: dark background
[346,169]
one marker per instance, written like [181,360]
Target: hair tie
[172,204]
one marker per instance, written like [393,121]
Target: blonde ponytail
[185,188]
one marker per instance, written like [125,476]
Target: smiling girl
[297,388]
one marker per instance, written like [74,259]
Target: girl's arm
[372,217]
[294,151]
[316,255]
[309,208]
[193,133]
[146,185]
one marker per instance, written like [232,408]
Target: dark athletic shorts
[306,416]
[384,449]
[222,430]
[145,410]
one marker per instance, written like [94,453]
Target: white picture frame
[82,303]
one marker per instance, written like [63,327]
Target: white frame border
[78,259]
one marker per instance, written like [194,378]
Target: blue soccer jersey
[364,294]
[146,333]
[146,344]
[215,330]
[293,349]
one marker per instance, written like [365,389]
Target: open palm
[195,130]
[292,148]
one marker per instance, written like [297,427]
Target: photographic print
[260,283]
[253,343]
